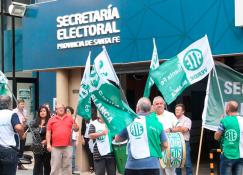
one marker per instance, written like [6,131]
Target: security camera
[17,9]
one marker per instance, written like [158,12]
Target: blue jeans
[188,161]
[230,165]
[8,161]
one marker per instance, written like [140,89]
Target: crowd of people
[55,139]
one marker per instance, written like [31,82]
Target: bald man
[230,132]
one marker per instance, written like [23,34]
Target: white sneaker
[76,172]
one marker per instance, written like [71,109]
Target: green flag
[226,83]
[106,94]
[3,84]
[154,65]
[84,102]
[188,67]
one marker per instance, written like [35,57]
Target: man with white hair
[9,125]
[146,141]
[169,121]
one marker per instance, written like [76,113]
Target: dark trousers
[21,148]
[142,172]
[188,161]
[105,165]
[42,161]
[8,161]
[89,153]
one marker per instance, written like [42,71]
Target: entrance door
[27,89]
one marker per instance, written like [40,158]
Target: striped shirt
[96,153]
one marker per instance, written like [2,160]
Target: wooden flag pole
[199,150]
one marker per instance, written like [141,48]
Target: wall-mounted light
[17,9]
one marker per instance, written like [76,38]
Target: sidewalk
[203,169]
[31,166]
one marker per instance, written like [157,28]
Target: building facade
[52,41]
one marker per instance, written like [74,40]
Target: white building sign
[90,28]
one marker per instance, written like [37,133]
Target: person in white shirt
[9,125]
[22,114]
[185,130]
[169,121]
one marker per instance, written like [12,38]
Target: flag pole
[199,150]
[202,129]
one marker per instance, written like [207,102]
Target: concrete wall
[67,92]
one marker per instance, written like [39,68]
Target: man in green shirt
[230,131]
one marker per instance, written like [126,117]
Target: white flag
[197,60]
[153,65]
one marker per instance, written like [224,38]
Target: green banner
[84,102]
[231,88]
[106,95]
[188,67]
[170,79]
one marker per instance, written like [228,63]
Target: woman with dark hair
[41,155]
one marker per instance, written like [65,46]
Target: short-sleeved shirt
[145,163]
[168,119]
[20,114]
[8,122]
[61,130]
[15,120]
[187,123]
[96,153]
[232,130]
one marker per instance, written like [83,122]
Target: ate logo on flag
[84,90]
[136,129]
[193,59]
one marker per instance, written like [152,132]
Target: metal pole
[2,36]
[14,85]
